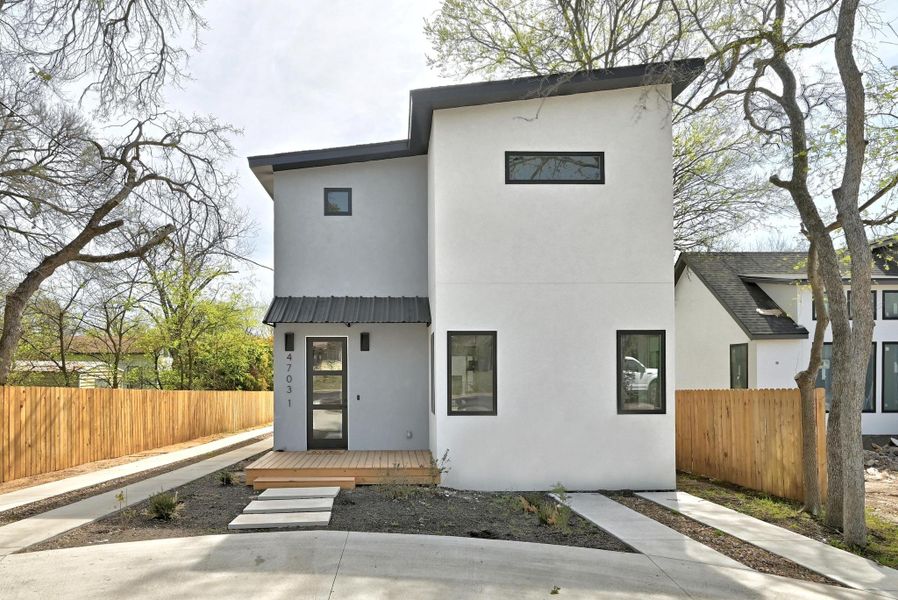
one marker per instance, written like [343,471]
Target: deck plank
[370,466]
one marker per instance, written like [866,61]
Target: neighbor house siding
[555,270]
[387,386]
[380,250]
[705,331]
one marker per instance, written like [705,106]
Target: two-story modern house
[497,285]
[746,320]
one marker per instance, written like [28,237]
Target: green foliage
[163,505]
[226,478]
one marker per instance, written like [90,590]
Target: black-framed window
[889,376]
[890,304]
[872,299]
[640,372]
[738,366]
[433,389]
[814,307]
[337,202]
[554,167]
[825,378]
[471,372]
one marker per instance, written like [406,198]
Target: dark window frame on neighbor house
[848,300]
[510,154]
[744,361]
[338,213]
[884,371]
[494,359]
[662,372]
[885,294]
[872,362]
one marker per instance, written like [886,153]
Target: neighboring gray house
[744,321]
[497,285]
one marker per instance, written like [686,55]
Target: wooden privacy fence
[45,429]
[748,437]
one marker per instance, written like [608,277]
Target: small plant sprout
[560,492]
[226,478]
[555,590]
[122,498]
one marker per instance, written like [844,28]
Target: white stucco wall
[705,331]
[380,250]
[556,270]
[387,386]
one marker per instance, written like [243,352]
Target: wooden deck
[362,467]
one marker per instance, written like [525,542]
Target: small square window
[337,202]
[640,372]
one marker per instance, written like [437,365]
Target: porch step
[293,493]
[280,520]
[263,483]
[289,506]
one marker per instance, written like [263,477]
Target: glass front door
[326,392]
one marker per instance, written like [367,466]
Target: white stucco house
[497,285]
[746,319]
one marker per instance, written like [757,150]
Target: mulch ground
[747,554]
[206,507]
[29,510]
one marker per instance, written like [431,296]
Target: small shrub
[560,492]
[163,506]
[526,505]
[440,467]
[226,478]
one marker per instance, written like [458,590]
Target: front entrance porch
[344,468]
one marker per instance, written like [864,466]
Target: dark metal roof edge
[277,314]
[423,101]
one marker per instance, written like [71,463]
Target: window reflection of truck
[640,380]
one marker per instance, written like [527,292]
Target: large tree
[717,190]
[71,191]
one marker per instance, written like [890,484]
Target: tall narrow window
[433,390]
[825,377]
[554,167]
[739,366]
[890,304]
[472,372]
[640,372]
[890,377]
[337,202]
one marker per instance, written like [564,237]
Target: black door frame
[311,442]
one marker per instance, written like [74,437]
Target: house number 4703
[288,378]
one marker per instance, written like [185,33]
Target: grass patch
[882,535]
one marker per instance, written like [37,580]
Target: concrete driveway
[332,564]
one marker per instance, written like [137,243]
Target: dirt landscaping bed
[882,539]
[29,510]
[747,554]
[206,507]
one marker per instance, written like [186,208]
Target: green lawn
[882,535]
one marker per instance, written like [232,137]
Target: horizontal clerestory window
[554,167]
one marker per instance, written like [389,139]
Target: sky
[304,75]
[315,74]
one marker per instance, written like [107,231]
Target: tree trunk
[807,383]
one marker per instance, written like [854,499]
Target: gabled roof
[422,103]
[728,277]
[348,309]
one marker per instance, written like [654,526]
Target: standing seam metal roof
[348,309]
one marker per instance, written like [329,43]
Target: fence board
[748,437]
[48,429]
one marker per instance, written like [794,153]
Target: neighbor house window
[889,376]
[337,202]
[872,299]
[890,304]
[472,372]
[738,366]
[825,378]
[640,372]
[433,391]
[554,167]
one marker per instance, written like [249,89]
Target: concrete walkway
[24,533]
[43,491]
[645,534]
[844,567]
[335,564]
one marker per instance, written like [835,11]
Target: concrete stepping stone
[289,506]
[280,520]
[296,493]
